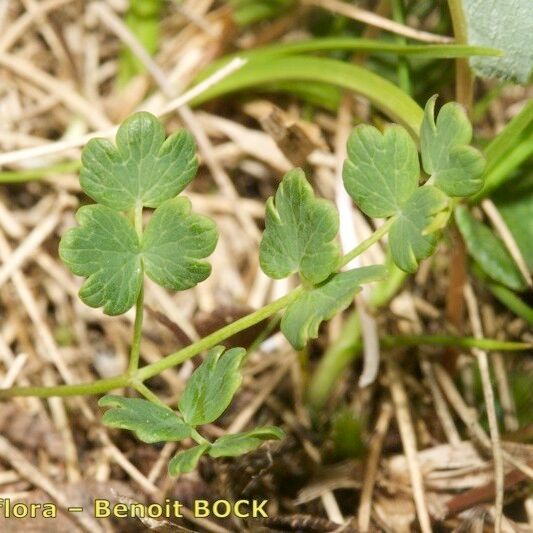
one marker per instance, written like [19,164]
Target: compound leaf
[299,232]
[410,238]
[150,422]
[303,316]
[382,170]
[143,168]
[212,385]
[455,167]
[105,249]
[488,250]
[174,242]
[186,460]
[241,443]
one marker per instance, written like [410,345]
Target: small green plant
[114,248]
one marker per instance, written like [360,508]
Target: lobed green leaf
[488,250]
[454,166]
[411,238]
[143,168]
[382,170]
[186,460]
[104,249]
[300,232]
[174,242]
[211,387]
[150,422]
[304,316]
[241,443]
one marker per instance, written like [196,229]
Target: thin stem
[198,438]
[464,80]
[367,243]
[215,338]
[139,375]
[137,333]
[81,389]
[147,393]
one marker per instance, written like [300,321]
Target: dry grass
[58,68]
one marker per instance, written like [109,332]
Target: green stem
[198,438]
[367,243]
[147,393]
[137,333]
[512,302]
[176,358]
[81,389]
[218,336]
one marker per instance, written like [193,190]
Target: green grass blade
[508,150]
[383,94]
[367,46]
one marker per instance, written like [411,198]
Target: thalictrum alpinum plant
[113,248]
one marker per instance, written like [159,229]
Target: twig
[69,97]
[483,362]
[32,474]
[468,417]
[60,146]
[407,433]
[441,407]
[362,15]
[372,463]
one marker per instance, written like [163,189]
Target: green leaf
[382,170]
[241,443]
[212,385]
[143,168]
[187,460]
[504,24]
[488,250]
[386,96]
[454,166]
[303,316]
[516,207]
[410,238]
[150,422]
[174,243]
[104,249]
[299,233]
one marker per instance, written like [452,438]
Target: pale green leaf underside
[299,232]
[241,443]
[382,170]
[407,239]
[150,422]
[210,389]
[488,250]
[186,460]
[454,166]
[143,168]
[503,24]
[174,242]
[104,248]
[304,316]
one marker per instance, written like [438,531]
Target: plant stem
[137,333]
[464,80]
[135,374]
[147,393]
[81,389]
[218,336]
[367,243]
[198,438]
